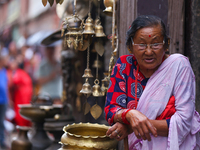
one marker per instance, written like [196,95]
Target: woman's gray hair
[146,21]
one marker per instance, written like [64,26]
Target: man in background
[48,75]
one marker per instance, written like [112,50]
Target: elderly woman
[151,95]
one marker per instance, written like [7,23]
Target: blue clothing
[3,102]
[2,128]
[3,87]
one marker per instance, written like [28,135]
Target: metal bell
[89,26]
[86,89]
[109,7]
[97,64]
[87,73]
[108,11]
[96,89]
[99,31]
[103,88]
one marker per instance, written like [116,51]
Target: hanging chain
[98,9]
[89,14]
[97,66]
[88,54]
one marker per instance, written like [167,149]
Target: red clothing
[21,92]
[121,91]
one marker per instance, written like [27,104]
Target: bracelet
[124,120]
[117,119]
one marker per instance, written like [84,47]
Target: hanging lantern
[74,27]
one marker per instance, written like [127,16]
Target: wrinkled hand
[140,125]
[118,131]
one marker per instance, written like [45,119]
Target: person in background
[20,86]
[48,75]
[16,54]
[151,95]
[4,100]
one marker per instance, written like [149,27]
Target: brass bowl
[39,113]
[87,136]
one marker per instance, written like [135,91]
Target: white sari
[173,77]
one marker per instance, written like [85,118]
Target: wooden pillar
[176,18]
[127,12]
[194,46]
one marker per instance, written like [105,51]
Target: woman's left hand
[118,131]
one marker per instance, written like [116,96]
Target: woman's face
[148,58]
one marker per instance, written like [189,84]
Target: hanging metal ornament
[99,34]
[109,7]
[74,27]
[99,30]
[97,63]
[111,63]
[86,89]
[86,107]
[96,111]
[99,47]
[116,46]
[96,89]
[88,25]
[44,2]
[104,85]
[78,99]
[87,71]
[98,27]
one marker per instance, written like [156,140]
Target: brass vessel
[39,113]
[88,136]
[21,142]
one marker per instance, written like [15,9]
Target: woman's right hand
[140,125]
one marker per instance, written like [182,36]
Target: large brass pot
[88,136]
